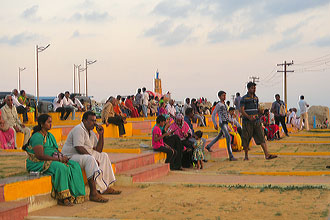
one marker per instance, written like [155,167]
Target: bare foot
[246,158]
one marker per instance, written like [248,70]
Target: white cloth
[67,102]
[56,104]
[302,106]
[145,99]
[15,101]
[78,103]
[103,173]
[171,109]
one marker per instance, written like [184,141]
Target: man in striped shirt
[251,122]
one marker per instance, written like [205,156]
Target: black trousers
[170,154]
[175,143]
[118,120]
[63,111]
[21,110]
[187,155]
[281,119]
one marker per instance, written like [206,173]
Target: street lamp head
[40,49]
[91,62]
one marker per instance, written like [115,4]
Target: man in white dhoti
[83,147]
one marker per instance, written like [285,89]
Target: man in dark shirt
[278,109]
[251,122]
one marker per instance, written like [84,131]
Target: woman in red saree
[271,129]
[129,105]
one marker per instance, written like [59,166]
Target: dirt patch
[122,143]
[281,164]
[12,165]
[203,202]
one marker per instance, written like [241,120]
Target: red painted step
[131,161]
[13,210]
[141,124]
[147,173]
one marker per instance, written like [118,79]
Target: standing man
[221,110]
[303,113]
[9,115]
[138,101]
[145,102]
[83,147]
[278,109]
[251,122]
[186,105]
[237,103]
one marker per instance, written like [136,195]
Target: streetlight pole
[74,79]
[38,50]
[79,70]
[86,64]
[19,77]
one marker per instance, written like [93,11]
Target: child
[198,154]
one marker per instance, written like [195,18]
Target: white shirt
[56,104]
[302,106]
[79,136]
[185,108]
[67,102]
[15,101]
[171,109]
[145,99]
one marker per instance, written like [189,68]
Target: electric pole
[254,79]
[285,88]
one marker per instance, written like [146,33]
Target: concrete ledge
[126,151]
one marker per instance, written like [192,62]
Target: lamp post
[79,71]
[38,50]
[75,72]
[86,64]
[19,77]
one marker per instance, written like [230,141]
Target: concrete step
[13,210]
[142,174]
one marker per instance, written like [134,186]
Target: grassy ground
[213,202]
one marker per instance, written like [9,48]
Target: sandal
[271,156]
[64,202]
[99,199]
[112,191]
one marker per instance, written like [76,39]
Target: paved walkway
[208,178]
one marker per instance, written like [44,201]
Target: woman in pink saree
[7,138]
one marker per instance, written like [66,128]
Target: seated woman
[153,106]
[124,109]
[109,116]
[272,130]
[130,106]
[183,131]
[162,109]
[44,156]
[159,145]
[24,101]
[7,135]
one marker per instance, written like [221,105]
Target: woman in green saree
[44,157]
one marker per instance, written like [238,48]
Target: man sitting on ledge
[9,115]
[83,147]
[109,116]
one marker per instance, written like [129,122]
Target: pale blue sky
[199,46]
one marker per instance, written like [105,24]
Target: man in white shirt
[58,107]
[303,113]
[145,102]
[68,104]
[83,146]
[186,105]
[170,108]
[9,115]
[19,107]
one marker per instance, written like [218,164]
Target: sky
[198,46]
